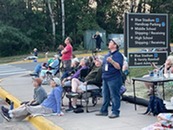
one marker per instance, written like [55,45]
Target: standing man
[99,40]
[112,80]
[67,54]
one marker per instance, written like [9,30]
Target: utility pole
[63,18]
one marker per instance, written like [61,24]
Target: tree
[109,14]
[163,6]
[79,17]
[13,42]
[52,17]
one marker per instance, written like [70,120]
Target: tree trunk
[63,19]
[53,21]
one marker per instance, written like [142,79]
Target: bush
[13,41]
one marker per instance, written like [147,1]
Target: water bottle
[151,73]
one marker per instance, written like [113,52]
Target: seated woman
[83,65]
[165,68]
[92,80]
[52,104]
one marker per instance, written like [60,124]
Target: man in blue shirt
[112,80]
[52,104]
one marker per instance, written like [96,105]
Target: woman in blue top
[112,80]
[52,104]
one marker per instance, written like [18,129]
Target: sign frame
[151,14]
[163,52]
[166,30]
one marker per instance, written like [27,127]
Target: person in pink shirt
[67,54]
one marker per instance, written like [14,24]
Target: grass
[140,71]
[134,72]
[5,60]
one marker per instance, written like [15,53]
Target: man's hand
[109,59]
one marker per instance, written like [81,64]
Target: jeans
[111,92]
[37,69]
[66,65]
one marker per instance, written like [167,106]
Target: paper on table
[168,75]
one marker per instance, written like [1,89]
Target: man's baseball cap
[115,42]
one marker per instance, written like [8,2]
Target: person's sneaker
[112,116]
[4,109]
[101,114]
[5,114]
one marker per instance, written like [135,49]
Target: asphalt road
[16,69]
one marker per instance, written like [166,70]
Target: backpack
[155,106]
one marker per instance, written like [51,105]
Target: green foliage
[79,18]
[12,41]
[109,14]
[163,6]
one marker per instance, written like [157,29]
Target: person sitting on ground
[33,55]
[83,65]
[35,52]
[52,104]
[39,93]
[165,68]
[52,68]
[92,80]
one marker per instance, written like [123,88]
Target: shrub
[13,41]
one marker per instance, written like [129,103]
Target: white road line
[14,73]
[11,70]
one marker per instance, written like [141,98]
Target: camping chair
[50,74]
[93,93]
[67,89]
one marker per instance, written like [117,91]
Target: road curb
[40,123]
